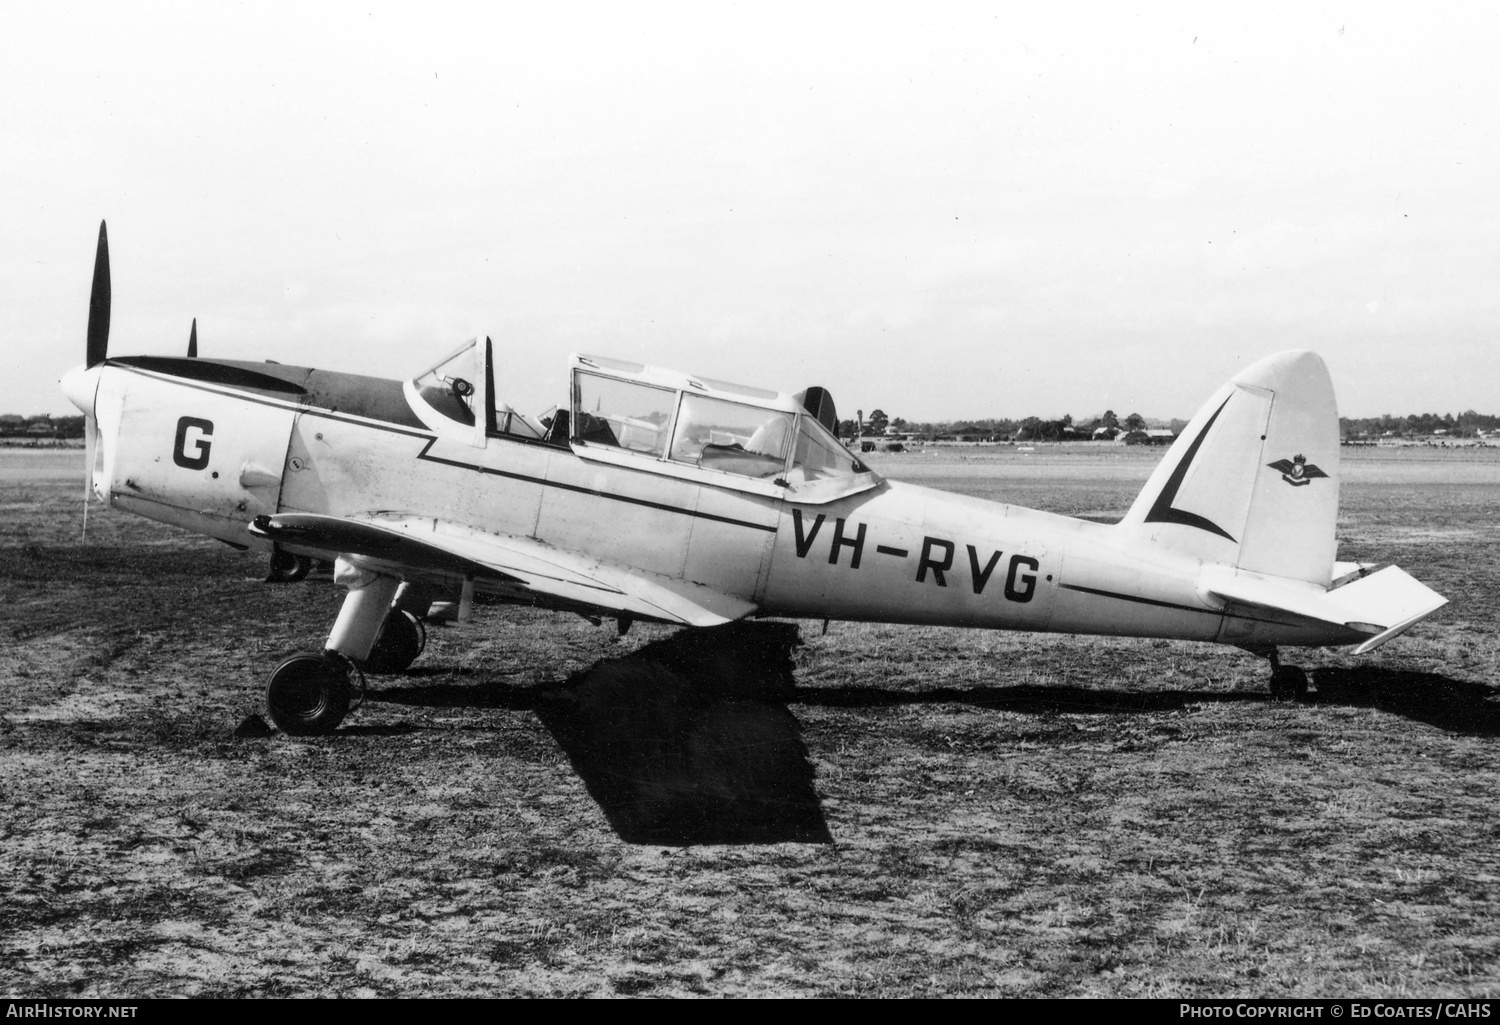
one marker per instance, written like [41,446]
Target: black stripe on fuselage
[1166,604]
[579,489]
[1137,599]
[328,414]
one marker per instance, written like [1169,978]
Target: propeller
[193,341]
[817,401]
[97,349]
[98,338]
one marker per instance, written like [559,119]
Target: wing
[519,568]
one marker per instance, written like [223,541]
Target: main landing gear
[311,692]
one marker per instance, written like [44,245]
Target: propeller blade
[193,341]
[817,401]
[98,337]
[90,448]
[490,423]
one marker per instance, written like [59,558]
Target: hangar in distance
[651,494]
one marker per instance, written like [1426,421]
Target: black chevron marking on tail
[1162,510]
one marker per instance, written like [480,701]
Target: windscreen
[446,388]
[819,455]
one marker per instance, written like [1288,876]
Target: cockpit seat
[770,437]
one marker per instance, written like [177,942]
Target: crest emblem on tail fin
[1296,471]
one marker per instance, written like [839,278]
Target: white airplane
[681,499]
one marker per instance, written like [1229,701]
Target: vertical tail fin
[1253,481]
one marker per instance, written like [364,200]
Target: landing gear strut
[310,692]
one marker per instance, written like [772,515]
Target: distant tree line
[1106,426]
[1467,424]
[1109,426]
[40,426]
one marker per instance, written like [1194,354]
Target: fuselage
[209,445]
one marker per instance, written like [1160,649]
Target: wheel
[1288,683]
[308,694]
[400,641]
[287,568]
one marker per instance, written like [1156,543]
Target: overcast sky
[941,210]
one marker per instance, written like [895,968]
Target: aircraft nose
[79,385]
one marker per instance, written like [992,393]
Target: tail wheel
[1288,683]
[308,694]
[401,640]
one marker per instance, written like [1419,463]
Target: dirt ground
[897,812]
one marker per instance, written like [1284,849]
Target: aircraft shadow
[1457,706]
[1029,698]
[685,741]
[690,740]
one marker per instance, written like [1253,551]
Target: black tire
[1288,683]
[400,641]
[308,694]
[287,568]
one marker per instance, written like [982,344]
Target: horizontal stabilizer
[1399,600]
[1380,605]
[418,545]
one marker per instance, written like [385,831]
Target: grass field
[999,814]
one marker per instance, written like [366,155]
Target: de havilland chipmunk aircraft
[677,498]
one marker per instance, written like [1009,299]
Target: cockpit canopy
[678,423]
[713,425]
